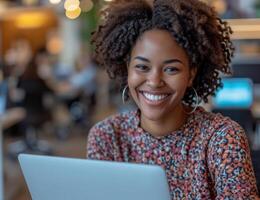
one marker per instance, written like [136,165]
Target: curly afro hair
[195,26]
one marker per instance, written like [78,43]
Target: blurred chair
[74,113]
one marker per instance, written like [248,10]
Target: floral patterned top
[207,158]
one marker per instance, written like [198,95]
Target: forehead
[158,43]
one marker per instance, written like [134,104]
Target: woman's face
[158,75]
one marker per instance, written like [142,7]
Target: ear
[193,72]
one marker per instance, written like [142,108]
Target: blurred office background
[52,91]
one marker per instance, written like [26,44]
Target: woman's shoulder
[216,121]
[217,130]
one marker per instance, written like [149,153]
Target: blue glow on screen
[236,93]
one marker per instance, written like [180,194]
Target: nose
[155,79]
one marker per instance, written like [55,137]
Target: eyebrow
[165,62]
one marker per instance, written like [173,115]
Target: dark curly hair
[195,26]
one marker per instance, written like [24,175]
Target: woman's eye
[171,70]
[142,67]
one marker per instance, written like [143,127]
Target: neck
[166,125]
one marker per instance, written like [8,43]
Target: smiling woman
[169,55]
[158,76]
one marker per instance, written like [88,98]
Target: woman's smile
[152,98]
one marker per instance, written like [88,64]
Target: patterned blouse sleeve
[99,144]
[230,164]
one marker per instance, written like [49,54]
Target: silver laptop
[57,178]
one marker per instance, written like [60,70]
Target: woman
[169,56]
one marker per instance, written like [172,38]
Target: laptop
[59,178]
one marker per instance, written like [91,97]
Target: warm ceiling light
[73,14]
[31,20]
[71,5]
[29,2]
[54,1]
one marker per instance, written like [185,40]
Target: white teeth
[153,97]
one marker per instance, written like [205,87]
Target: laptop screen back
[80,179]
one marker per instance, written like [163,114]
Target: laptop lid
[57,178]
[237,93]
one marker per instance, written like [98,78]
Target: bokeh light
[71,5]
[86,5]
[73,14]
[54,1]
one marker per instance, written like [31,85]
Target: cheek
[179,84]
[131,84]
[130,81]
[133,79]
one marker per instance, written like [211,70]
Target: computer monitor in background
[235,100]
[237,93]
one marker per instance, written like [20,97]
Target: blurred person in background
[81,82]
[11,115]
[34,89]
[79,91]
[26,91]
[75,93]
[16,59]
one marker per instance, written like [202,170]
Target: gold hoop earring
[123,94]
[196,104]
